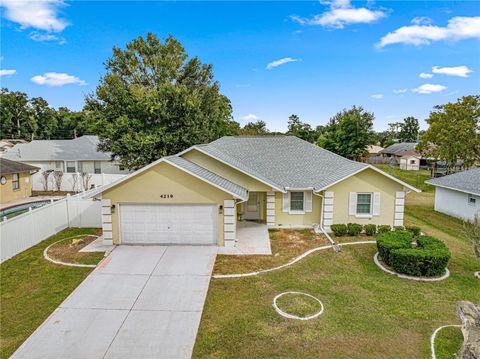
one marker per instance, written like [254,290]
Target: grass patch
[413,178]
[368,313]
[68,251]
[286,244]
[448,342]
[31,289]
[298,304]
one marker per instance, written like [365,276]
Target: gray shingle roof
[209,176]
[466,181]
[7,167]
[399,148]
[82,148]
[283,161]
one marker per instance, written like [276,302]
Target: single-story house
[374,150]
[458,194]
[410,161]
[199,195]
[78,155]
[15,180]
[8,143]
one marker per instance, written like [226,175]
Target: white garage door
[168,224]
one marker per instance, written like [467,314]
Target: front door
[253,207]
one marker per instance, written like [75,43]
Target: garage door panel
[168,224]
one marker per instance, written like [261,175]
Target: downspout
[335,246]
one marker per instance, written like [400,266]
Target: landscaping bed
[32,288]
[68,250]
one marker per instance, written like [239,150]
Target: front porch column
[327,204]
[229,222]
[270,208]
[107,222]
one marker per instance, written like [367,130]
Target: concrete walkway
[252,239]
[141,302]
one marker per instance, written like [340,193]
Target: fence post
[32,223]
[68,211]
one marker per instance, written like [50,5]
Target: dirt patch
[69,250]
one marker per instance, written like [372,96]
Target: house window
[472,200]
[80,166]
[364,203]
[70,166]
[16,181]
[412,162]
[296,201]
[97,167]
[58,165]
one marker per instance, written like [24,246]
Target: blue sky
[323,56]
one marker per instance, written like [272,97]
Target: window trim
[364,215]
[296,211]
[74,166]
[17,181]
[469,198]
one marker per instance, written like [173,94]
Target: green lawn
[31,289]
[414,178]
[368,313]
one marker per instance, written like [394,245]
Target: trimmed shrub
[384,228]
[339,229]
[428,258]
[354,229]
[370,229]
[413,230]
[398,228]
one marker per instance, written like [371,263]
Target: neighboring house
[410,161]
[458,194]
[404,154]
[15,182]
[77,155]
[374,150]
[198,195]
[6,144]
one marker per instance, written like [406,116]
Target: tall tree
[45,118]
[15,115]
[409,129]
[154,101]
[72,124]
[454,132]
[257,128]
[348,133]
[300,129]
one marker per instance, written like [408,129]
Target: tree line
[154,100]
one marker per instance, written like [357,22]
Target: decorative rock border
[435,332]
[46,256]
[291,316]
[403,276]
[293,261]
[477,274]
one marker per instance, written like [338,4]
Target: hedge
[428,258]
[383,228]
[354,229]
[339,229]
[370,229]
[413,230]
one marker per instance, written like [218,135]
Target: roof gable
[466,181]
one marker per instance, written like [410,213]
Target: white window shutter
[308,201]
[352,204]
[376,204]
[286,202]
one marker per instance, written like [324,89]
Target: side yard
[32,287]
[368,313]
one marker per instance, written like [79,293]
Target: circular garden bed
[298,305]
[420,256]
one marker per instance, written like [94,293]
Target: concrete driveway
[142,302]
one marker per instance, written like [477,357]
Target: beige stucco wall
[225,171]
[7,194]
[306,219]
[365,181]
[163,178]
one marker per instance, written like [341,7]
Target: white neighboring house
[458,194]
[72,157]
[410,162]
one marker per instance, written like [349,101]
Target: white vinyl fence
[73,182]
[24,231]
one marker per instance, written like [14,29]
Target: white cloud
[458,28]
[42,15]
[425,75]
[7,72]
[341,13]
[57,79]
[460,71]
[422,20]
[429,88]
[250,117]
[400,91]
[377,96]
[280,62]
[36,36]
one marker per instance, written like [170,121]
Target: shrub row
[354,229]
[428,257]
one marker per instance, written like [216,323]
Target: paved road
[142,302]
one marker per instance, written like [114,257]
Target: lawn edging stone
[55,261]
[291,316]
